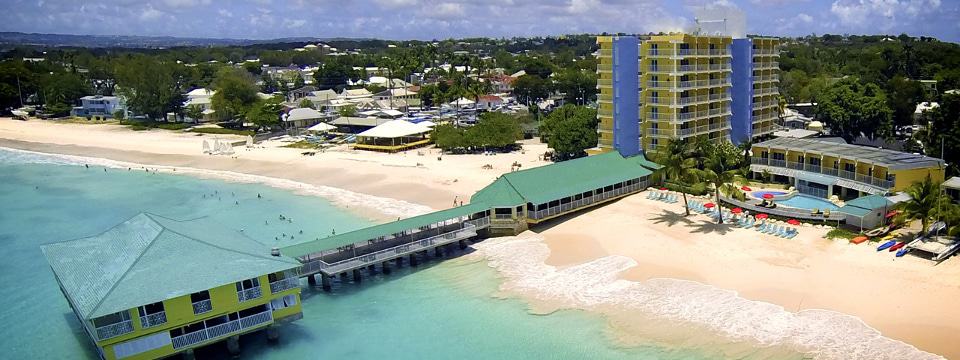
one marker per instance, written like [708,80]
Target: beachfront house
[301,118]
[98,107]
[202,98]
[402,95]
[393,136]
[489,102]
[353,125]
[152,287]
[825,168]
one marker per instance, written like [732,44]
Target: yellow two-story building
[151,287]
[826,168]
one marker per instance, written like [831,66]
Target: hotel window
[248,284]
[152,314]
[201,302]
[849,167]
[778,156]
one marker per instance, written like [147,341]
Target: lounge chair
[792,233]
[761,227]
[814,211]
[782,232]
[826,213]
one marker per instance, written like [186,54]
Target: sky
[441,19]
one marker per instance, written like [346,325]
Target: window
[200,296]
[149,309]
[111,319]
[248,284]
[849,167]
[201,302]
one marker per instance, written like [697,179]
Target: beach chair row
[778,230]
[662,196]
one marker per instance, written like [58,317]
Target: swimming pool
[759,194]
[807,202]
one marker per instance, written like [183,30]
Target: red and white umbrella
[768,196]
[745,188]
[793,222]
[761,216]
[709,205]
[736,210]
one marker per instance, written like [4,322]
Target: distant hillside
[143,42]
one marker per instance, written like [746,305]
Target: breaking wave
[821,334]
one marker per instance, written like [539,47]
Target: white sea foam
[822,334]
[388,207]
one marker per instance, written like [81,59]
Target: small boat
[902,252]
[886,245]
[897,246]
[859,239]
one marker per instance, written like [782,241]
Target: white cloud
[294,23]
[150,14]
[186,3]
[225,13]
[801,17]
[880,13]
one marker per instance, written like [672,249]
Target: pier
[505,207]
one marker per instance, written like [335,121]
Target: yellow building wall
[179,312]
[905,178]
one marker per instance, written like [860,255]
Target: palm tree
[677,165]
[722,173]
[925,203]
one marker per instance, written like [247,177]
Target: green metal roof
[546,183]
[375,231]
[647,163]
[869,202]
[498,194]
[150,258]
[854,210]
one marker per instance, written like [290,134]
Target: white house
[489,102]
[98,106]
[202,98]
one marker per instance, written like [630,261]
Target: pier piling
[386,267]
[372,269]
[413,259]
[312,280]
[356,275]
[438,251]
[233,345]
[273,333]
[325,280]
[343,277]
[188,355]
[463,244]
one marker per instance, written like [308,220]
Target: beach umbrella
[761,216]
[793,222]
[746,188]
[892,214]
[736,210]
[663,189]
[768,196]
[709,205]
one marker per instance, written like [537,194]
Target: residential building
[408,97]
[203,99]
[488,102]
[826,168]
[152,287]
[686,86]
[98,106]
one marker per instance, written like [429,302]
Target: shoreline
[805,273]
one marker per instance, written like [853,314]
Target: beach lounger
[793,232]
[781,232]
[761,227]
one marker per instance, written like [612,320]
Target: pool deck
[796,213]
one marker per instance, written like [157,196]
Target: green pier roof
[315,246]
[150,258]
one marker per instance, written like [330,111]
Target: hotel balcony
[604,53]
[764,104]
[604,82]
[151,320]
[249,294]
[202,306]
[223,330]
[702,52]
[766,78]
[766,91]
[284,284]
[882,184]
[114,330]
[688,68]
[762,65]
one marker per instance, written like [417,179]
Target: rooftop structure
[393,136]
[146,287]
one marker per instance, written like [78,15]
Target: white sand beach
[631,241]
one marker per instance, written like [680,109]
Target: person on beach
[86,166]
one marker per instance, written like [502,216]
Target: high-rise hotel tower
[662,87]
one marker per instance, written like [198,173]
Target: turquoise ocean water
[438,311]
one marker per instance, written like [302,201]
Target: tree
[193,111]
[306,103]
[333,74]
[569,130]
[349,110]
[236,93]
[119,115]
[942,137]
[578,86]
[851,109]
[253,67]
[265,113]
[926,200]
[151,87]
[529,88]
[721,168]
[494,129]
[63,89]
[904,94]
[447,137]
[678,166]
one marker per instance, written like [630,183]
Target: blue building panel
[626,95]
[741,122]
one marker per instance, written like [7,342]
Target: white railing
[151,320]
[222,330]
[849,175]
[576,204]
[202,306]
[502,216]
[114,330]
[284,284]
[249,294]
